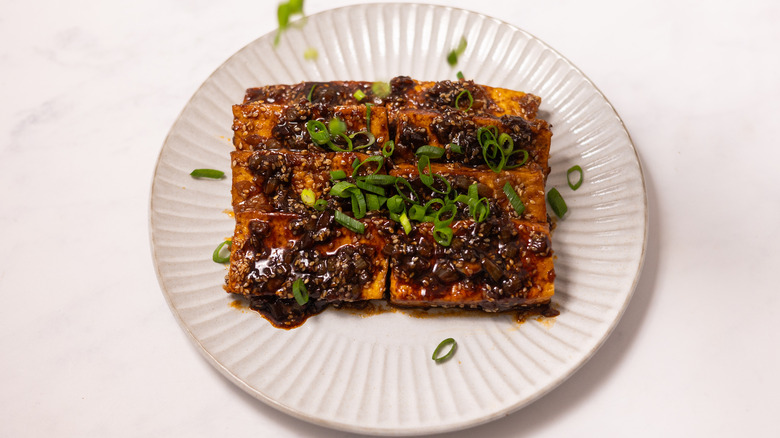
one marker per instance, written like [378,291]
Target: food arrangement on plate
[424,194]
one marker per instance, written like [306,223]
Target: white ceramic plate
[375,374]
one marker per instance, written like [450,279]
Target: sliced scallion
[311,92]
[405,223]
[378,159]
[442,235]
[514,199]
[217,255]
[460,75]
[336,126]
[395,204]
[457,100]
[320,205]
[337,174]
[449,342]
[556,202]
[429,151]
[300,292]
[359,95]
[380,89]
[318,132]
[308,197]
[348,222]
[379,179]
[574,169]
[207,173]
[388,148]
[311,54]
[455,148]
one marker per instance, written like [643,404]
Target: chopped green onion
[359,206]
[374,202]
[408,186]
[443,344]
[460,75]
[503,139]
[514,199]
[217,255]
[359,95]
[381,89]
[481,209]
[442,235]
[369,136]
[368,115]
[429,151]
[368,187]
[341,189]
[457,100]
[338,148]
[447,184]
[417,213]
[574,169]
[336,126]
[308,197]
[311,54]
[422,163]
[455,148]
[318,132]
[379,179]
[380,160]
[337,174]
[283,13]
[448,208]
[311,91]
[388,148]
[320,205]
[452,57]
[300,292]
[404,219]
[207,173]
[349,223]
[395,204]
[556,202]
[473,191]
[296,6]
[518,163]
[430,204]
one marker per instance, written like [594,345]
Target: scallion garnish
[318,132]
[374,202]
[574,169]
[311,54]
[217,255]
[308,197]
[457,100]
[320,205]
[300,292]
[349,223]
[337,174]
[460,75]
[417,213]
[514,199]
[452,57]
[368,187]
[359,95]
[455,148]
[380,179]
[429,151]
[442,345]
[395,204]
[440,220]
[368,116]
[380,89]
[408,186]
[336,126]
[359,206]
[405,223]
[368,135]
[310,93]
[380,160]
[442,235]
[207,173]
[283,13]
[388,148]
[341,189]
[556,202]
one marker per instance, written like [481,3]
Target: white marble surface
[89,89]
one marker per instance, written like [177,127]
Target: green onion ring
[404,219]
[371,188]
[395,204]
[432,152]
[457,99]
[417,213]
[320,205]
[556,202]
[460,75]
[308,197]
[349,223]
[359,95]
[300,292]
[341,189]
[311,92]
[380,160]
[574,169]
[216,255]
[388,148]
[448,208]
[447,342]
[207,173]
[379,179]
[514,199]
[369,136]
[518,163]
[442,235]
[318,132]
[337,174]
[422,163]
[336,126]
[408,186]
[455,148]
[359,206]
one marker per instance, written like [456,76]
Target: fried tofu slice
[416,128]
[528,184]
[272,250]
[283,127]
[492,265]
[272,181]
